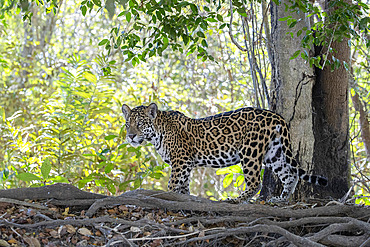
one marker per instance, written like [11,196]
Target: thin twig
[231,30]
[364,243]
[179,236]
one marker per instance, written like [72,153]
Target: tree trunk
[331,125]
[331,121]
[316,108]
[292,81]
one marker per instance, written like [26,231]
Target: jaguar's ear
[126,111]
[152,110]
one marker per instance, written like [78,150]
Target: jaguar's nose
[131,136]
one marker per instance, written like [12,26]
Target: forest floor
[62,215]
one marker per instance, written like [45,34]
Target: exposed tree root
[167,219]
[26,204]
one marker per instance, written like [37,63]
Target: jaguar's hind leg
[277,159]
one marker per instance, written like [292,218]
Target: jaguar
[249,136]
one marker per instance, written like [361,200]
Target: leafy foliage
[341,20]
[72,141]
[154,26]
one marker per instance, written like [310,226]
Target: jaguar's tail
[314,179]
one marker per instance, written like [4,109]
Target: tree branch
[231,29]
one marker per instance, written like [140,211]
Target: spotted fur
[249,136]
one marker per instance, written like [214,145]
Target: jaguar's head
[139,123]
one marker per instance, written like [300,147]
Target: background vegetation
[63,79]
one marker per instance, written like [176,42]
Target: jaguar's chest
[161,142]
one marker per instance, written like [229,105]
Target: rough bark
[57,191]
[292,81]
[331,123]
[175,201]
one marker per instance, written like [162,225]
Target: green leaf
[152,53]
[363,24]
[304,55]
[185,39]
[219,17]
[295,55]
[110,137]
[201,34]
[90,77]
[137,183]
[293,23]
[111,188]
[83,182]
[222,26]
[83,10]
[242,12]
[210,19]
[183,4]
[346,66]
[131,149]
[97,2]
[128,17]
[131,3]
[89,155]
[59,179]
[123,186]
[239,181]
[311,61]
[156,175]
[194,8]
[204,43]
[204,25]
[236,169]
[223,171]
[285,18]
[103,42]
[90,4]
[159,15]
[45,168]
[26,176]
[227,180]
[165,41]
[108,168]
[4,174]
[106,150]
